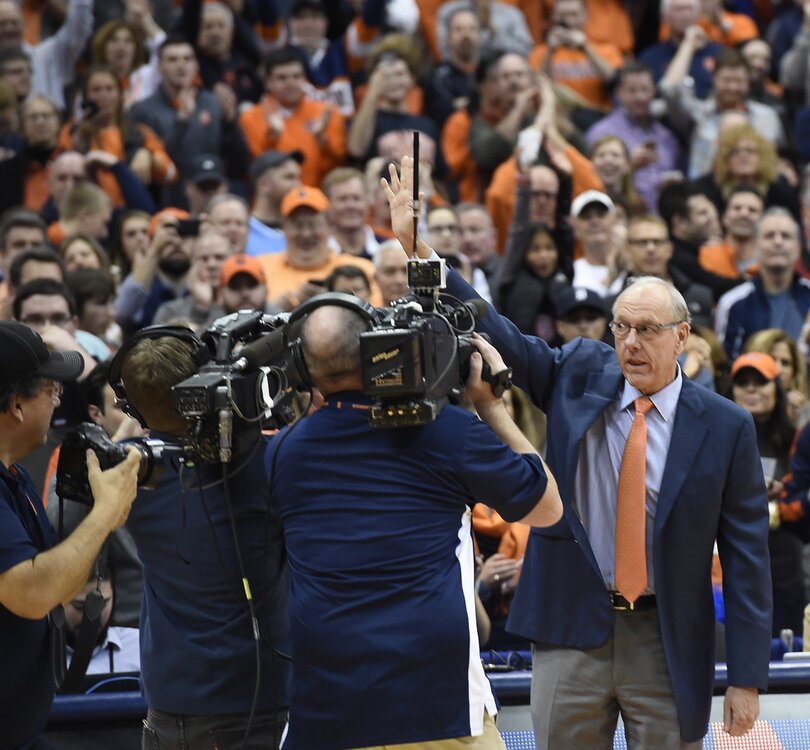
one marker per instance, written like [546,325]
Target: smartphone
[89,109]
[188,227]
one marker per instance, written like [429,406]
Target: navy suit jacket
[712,488]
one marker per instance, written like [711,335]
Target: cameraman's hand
[479,392]
[113,490]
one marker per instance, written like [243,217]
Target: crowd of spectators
[166,162]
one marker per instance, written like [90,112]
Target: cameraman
[198,538]
[377,525]
[38,574]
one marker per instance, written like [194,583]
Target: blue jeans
[162,731]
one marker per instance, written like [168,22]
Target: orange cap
[303,196]
[763,363]
[241,264]
[177,213]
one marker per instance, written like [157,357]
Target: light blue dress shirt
[595,487]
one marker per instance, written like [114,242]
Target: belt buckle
[626,606]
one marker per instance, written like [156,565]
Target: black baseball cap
[574,298]
[23,354]
[271,159]
[299,5]
[207,168]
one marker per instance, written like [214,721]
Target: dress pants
[578,695]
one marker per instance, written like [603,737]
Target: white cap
[588,197]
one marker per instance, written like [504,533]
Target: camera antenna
[416,207]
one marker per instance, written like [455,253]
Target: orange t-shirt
[719,258]
[456,149]
[574,69]
[320,155]
[500,196]
[284,278]
[608,22]
[110,140]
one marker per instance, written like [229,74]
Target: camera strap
[86,637]
[56,645]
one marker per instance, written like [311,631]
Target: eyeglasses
[644,331]
[39,116]
[55,391]
[36,320]
[644,241]
[547,194]
[441,228]
[746,380]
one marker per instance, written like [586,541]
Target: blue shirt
[597,478]
[27,688]
[377,525]
[197,649]
[660,55]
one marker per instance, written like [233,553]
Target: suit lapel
[688,433]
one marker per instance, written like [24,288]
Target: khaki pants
[489,740]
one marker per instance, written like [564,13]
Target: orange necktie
[631,513]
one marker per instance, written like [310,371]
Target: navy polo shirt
[660,55]
[27,688]
[377,525]
[197,649]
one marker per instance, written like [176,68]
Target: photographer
[377,527]
[38,574]
[204,536]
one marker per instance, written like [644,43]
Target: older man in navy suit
[617,595]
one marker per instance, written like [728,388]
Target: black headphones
[367,312]
[200,354]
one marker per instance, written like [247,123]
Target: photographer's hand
[113,490]
[33,587]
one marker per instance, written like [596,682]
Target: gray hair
[779,211]
[665,5]
[680,310]
[221,198]
[384,248]
[220,7]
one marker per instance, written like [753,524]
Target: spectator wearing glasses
[36,573]
[49,308]
[648,253]
[444,231]
[756,388]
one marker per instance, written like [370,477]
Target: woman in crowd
[746,158]
[756,388]
[537,266]
[105,126]
[124,48]
[793,370]
[81,251]
[131,238]
[611,159]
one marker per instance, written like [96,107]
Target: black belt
[618,602]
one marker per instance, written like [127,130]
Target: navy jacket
[712,488]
